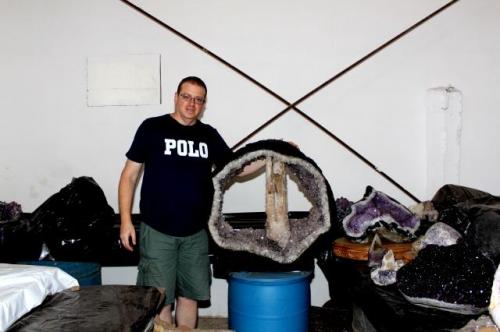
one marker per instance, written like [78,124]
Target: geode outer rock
[381,214]
[484,229]
[457,278]
[452,194]
[304,232]
[475,214]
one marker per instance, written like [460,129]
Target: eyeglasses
[188,98]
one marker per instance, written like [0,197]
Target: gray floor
[212,323]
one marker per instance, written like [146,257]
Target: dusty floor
[212,323]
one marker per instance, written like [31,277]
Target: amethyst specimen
[440,234]
[343,207]
[379,213]
[304,231]
[383,263]
[457,278]
[10,211]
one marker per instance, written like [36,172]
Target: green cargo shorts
[180,265]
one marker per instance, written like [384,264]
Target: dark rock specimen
[475,214]
[456,278]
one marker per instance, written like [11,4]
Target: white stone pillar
[443,137]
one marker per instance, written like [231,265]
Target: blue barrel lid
[269,277]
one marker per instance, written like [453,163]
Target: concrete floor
[213,323]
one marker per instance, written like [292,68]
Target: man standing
[177,152]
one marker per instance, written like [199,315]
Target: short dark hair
[193,80]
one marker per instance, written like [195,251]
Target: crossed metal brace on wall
[293,106]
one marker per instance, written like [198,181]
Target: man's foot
[162,326]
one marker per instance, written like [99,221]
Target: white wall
[48,134]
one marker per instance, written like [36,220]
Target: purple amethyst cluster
[456,278]
[381,214]
[10,211]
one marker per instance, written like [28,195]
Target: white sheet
[23,287]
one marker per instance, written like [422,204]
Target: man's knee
[186,312]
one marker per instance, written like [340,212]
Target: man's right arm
[128,182]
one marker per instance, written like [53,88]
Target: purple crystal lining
[368,213]
[303,232]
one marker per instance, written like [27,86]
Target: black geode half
[457,278]
[304,231]
[474,213]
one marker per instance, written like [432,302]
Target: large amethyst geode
[381,214]
[302,232]
[456,278]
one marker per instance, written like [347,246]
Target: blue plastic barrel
[269,301]
[87,274]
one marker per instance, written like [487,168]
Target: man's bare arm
[126,189]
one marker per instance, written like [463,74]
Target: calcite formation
[384,265]
[278,225]
[283,239]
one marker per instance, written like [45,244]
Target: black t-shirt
[177,189]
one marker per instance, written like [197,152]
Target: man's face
[189,103]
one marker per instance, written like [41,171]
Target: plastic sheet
[23,287]
[95,308]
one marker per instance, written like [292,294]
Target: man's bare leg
[186,312]
[166,314]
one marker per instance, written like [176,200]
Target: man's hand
[127,236]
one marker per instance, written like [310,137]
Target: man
[178,153]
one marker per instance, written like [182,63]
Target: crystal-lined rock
[379,213]
[439,234]
[456,278]
[303,231]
